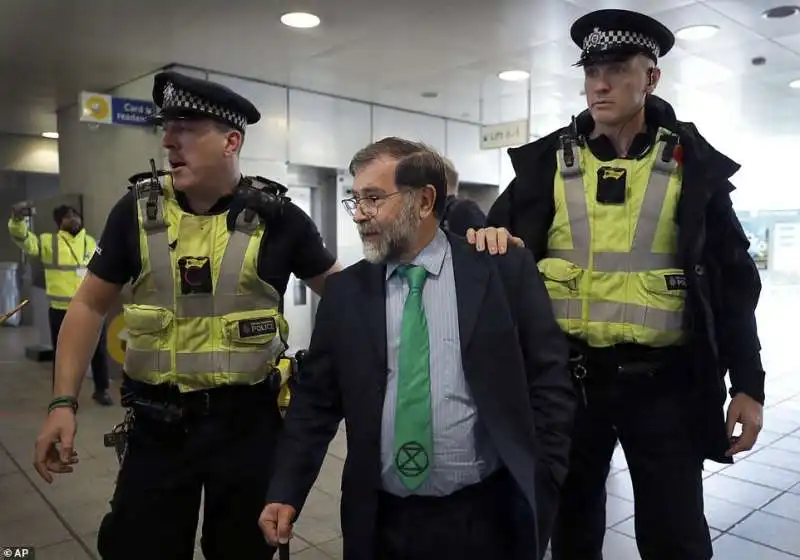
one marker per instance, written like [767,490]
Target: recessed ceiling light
[53,135]
[513,75]
[780,12]
[795,84]
[300,20]
[696,32]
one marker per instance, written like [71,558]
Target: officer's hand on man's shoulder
[496,240]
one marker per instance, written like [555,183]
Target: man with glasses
[207,253]
[450,373]
[629,216]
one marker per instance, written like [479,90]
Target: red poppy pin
[677,153]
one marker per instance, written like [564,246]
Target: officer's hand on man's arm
[495,240]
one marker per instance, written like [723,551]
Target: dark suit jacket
[514,357]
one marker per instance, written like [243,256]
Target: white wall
[28,153]
[319,130]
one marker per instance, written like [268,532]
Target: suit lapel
[373,310]
[471,271]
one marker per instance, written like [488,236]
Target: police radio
[257,195]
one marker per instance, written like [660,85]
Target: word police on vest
[18,552]
[611,183]
[676,281]
[257,327]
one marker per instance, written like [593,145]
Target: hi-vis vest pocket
[147,321]
[252,328]
[147,347]
[561,277]
[665,293]
[253,341]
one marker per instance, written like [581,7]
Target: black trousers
[99,363]
[227,453]
[649,414]
[471,524]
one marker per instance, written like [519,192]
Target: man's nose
[168,141]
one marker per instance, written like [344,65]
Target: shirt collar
[604,150]
[431,258]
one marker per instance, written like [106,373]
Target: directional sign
[101,108]
[501,135]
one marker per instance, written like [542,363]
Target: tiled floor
[752,506]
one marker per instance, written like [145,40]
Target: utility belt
[165,403]
[623,362]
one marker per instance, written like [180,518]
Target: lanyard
[79,262]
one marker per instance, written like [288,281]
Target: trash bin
[9,292]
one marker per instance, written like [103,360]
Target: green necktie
[413,431]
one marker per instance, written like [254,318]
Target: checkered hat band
[599,40]
[176,98]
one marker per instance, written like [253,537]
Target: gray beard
[395,239]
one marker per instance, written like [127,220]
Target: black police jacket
[723,282]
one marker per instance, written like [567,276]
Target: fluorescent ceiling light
[696,32]
[795,84]
[53,135]
[513,75]
[301,20]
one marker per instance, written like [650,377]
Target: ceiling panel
[748,13]
[393,52]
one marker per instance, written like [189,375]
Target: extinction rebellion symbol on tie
[411,459]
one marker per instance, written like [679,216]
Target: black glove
[257,195]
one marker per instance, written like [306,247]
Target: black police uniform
[668,422]
[461,214]
[225,444]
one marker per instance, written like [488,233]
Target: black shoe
[102,398]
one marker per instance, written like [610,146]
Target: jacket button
[699,270]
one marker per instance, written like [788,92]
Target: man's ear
[653,77]
[427,200]
[233,142]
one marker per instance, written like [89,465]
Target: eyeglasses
[369,205]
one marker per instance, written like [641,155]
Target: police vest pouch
[149,333]
[665,299]
[563,276]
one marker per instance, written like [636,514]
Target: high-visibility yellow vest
[611,269]
[64,258]
[233,336]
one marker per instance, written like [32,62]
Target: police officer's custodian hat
[616,35]
[183,97]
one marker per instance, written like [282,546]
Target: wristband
[63,402]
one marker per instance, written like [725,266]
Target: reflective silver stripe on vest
[641,257]
[615,312]
[55,265]
[234,362]
[225,298]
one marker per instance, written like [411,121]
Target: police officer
[208,254]
[629,215]
[64,256]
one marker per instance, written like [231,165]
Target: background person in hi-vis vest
[207,253]
[628,213]
[64,256]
